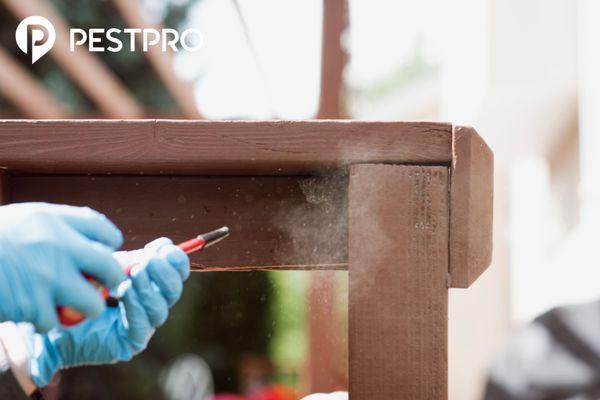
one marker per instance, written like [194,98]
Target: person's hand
[330,396]
[44,249]
[122,332]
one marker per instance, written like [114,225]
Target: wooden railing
[405,207]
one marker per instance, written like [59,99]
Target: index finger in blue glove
[95,259]
[178,260]
[167,259]
[175,256]
[91,224]
[166,278]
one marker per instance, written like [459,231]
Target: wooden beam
[217,147]
[162,62]
[398,266]
[276,222]
[472,204]
[333,59]
[95,79]
[23,90]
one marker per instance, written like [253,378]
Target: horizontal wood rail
[216,147]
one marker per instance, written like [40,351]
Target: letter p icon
[43,36]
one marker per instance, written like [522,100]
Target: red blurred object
[276,392]
[273,392]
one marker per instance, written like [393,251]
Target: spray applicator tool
[70,317]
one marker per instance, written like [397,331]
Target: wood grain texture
[472,203]
[276,222]
[398,265]
[216,147]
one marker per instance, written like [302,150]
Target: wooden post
[398,266]
[333,59]
[327,364]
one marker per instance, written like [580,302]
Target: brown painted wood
[333,59]
[276,222]
[198,267]
[472,204]
[327,364]
[398,265]
[216,147]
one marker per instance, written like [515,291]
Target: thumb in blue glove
[119,333]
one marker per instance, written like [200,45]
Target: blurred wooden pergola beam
[23,90]
[162,62]
[327,362]
[333,59]
[93,77]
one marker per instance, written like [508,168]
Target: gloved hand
[44,249]
[119,333]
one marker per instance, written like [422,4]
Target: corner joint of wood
[471,207]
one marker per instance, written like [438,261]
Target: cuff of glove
[17,355]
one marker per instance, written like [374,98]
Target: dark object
[557,356]
[9,386]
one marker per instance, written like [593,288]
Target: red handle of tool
[69,316]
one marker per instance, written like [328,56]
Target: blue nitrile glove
[44,249]
[122,332]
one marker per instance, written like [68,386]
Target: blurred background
[524,72]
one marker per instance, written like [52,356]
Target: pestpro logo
[43,36]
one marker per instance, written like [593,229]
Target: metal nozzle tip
[215,236]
